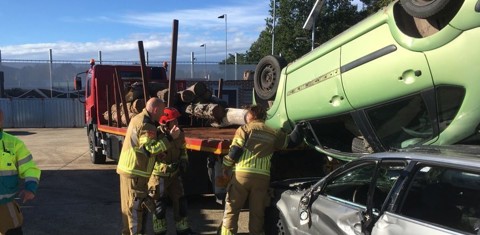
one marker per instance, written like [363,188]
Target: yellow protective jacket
[141,147]
[259,142]
[16,163]
[168,164]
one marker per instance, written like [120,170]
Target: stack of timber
[207,106]
[197,101]
[133,108]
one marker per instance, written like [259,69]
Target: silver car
[428,190]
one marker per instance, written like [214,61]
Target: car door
[349,200]
[376,69]
[340,206]
[438,200]
[313,87]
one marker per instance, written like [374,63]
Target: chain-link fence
[47,79]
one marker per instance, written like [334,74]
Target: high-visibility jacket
[16,163]
[141,146]
[258,142]
[169,163]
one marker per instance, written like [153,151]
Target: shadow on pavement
[88,202]
[20,133]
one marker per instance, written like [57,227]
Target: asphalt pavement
[78,197]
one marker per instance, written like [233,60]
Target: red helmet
[169,114]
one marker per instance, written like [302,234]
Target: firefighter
[166,181]
[139,150]
[15,163]
[250,152]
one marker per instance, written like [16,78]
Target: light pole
[192,66]
[224,16]
[205,59]
[274,2]
[50,60]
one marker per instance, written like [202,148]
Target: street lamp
[224,16]
[205,59]
[274,2]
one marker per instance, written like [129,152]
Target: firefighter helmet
[169,114]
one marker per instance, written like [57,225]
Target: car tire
[424,8]
[273,222]
[95,156]
[267,77]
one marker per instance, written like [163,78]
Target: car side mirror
[304,209]
[77,83]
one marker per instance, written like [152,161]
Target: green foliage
[372,6]
[292,41]
[241,59]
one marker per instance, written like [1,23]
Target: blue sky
[77,30]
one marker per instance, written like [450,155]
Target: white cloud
[196,27]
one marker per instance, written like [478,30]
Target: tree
[292,41]
[260,48]
[336,17]
[372,6]
[241,59]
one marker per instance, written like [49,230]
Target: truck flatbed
[209,139]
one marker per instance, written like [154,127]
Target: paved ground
[77,197]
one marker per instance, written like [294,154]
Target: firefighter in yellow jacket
[16,163]
[139,151]
[250,152]
[166,181]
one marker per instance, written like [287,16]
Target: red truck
[108,89]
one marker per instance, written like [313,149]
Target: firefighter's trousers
[164,188]
[253,187]
[133,192]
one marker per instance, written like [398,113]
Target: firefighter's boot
[226,231]
[182,227]
[159,226]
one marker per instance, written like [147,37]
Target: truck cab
[112,88]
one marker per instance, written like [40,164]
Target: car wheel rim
[267,80]
[281,229]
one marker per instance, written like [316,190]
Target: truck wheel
[423,8]
[267,76]
[95,156]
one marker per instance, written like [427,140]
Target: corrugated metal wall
[49,113]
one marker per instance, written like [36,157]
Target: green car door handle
[409,76]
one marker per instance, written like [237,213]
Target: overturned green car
[407,75]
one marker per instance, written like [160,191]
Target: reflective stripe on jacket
[259,142]
[140,147]
[16,163]
[167,165]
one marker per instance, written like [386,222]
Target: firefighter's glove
[296,136]
[175,132]
[183,165]
[148,204]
